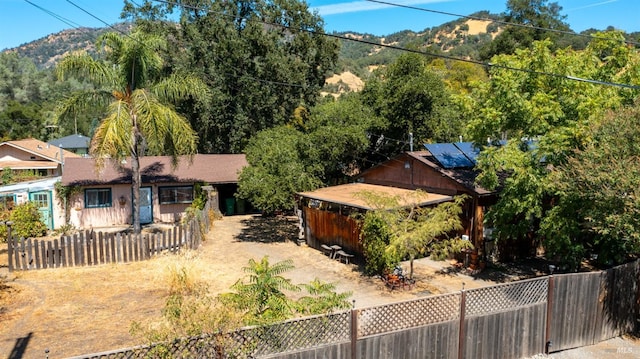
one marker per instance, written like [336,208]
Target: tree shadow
[502,272]
[274,229]
[20,347]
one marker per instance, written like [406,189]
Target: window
[97,197]
[177,194]
[7,201]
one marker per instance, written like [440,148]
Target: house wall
[57,206]
[82,217]
[121,214]
[418,175]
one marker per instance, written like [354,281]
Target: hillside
[46,51]
[360,54]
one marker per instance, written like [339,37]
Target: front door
[42,200]
[146,208]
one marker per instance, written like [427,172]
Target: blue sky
[21,22]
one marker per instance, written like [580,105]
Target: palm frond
[79,64]
[181,86]
[81,101]
[114,134]
[165,131]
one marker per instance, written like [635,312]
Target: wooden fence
[89,248]
[510,320]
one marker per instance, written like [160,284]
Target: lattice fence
[410,314]
[283,337]
[291,335]
[506,296]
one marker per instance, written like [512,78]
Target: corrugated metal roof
[30,186]
[350,195]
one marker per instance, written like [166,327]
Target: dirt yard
[85,310]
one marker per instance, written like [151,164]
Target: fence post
[461,333]
[354,331]
[9,245]
[547,334]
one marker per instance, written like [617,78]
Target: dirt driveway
[84,310]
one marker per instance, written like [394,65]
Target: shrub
[27,221]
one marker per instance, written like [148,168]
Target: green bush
[27,221]
[375,237]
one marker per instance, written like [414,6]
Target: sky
[22,21]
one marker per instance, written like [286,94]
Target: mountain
[46,51]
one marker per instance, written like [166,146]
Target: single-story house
[77,144]
[327,213]
[42,193]
[447,169]
[105,194]
[40,158]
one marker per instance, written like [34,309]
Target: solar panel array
[454,155]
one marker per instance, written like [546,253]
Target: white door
[146,207]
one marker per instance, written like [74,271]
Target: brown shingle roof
[347,194]
[218,168]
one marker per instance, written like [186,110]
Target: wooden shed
[423,170]
[328,213]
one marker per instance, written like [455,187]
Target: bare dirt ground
[86,310]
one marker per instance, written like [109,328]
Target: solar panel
[469,150]
[448,155]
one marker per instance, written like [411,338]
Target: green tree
[598,194]
[319,147]
[411,98]
[276,170]
[261,59]
[540,14]
[130,86]
[543,118]
[412,230]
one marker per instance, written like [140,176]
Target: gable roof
[215,169]
[347,194]
[72,141]
[464,176]
[41,149]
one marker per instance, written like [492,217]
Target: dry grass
[74,311]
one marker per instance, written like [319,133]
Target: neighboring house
[77,144]
[328,213]
[446,168]
[166,192]
[42,193]
[35,167]
[31,155]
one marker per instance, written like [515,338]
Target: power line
[471,17]
[97,18]
[51,13]
[452,58]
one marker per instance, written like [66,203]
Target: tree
[276,170]
[128,83]
[543,119]
[413,230]
[411,98]
[538,14]
[597,212]
[261,59]
[317,148]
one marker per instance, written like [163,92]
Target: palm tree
[129,84]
